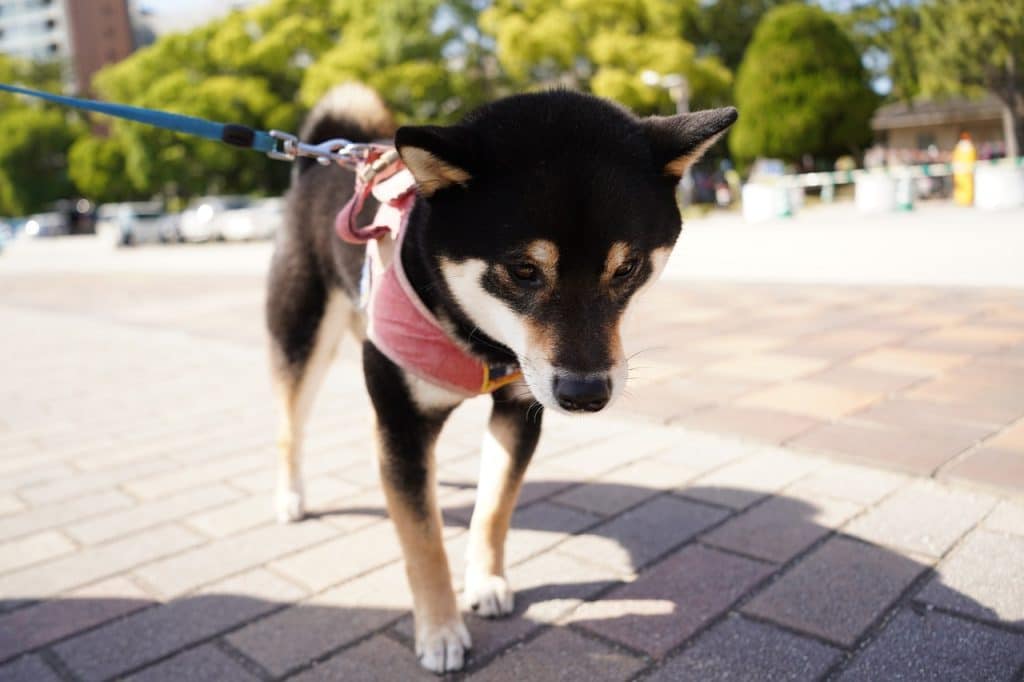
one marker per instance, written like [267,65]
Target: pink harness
[400,325]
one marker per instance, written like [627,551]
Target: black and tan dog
[537,220]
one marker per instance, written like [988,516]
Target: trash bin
[874,193]
[998,186]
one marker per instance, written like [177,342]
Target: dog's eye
[626,269]
[525,273]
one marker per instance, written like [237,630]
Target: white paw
[442,649]
[489,596]
[289,506]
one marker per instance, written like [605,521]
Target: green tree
[724,28]
[975,46]
[602,46]
[802,89]
[34,139]
[887,33]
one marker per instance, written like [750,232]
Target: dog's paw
[489,596]
[289,506]
[442,649]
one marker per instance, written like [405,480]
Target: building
[924,124]
[85,34]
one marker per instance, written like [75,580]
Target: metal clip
[340,150]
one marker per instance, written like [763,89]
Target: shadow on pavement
[654,591]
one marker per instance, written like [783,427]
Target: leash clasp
[340,151]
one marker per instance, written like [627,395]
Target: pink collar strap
[400,325]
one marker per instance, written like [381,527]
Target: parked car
[129,223]
[203,220]
[51,224]
[259,221]
[169,228]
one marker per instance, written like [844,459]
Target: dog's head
[545,214]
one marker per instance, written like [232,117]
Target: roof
[936,112]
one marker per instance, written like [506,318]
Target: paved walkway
[805,482]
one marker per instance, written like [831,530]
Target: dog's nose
[582,394]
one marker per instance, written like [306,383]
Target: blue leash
[231,133]
[275,144]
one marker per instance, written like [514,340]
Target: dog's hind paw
[489,596]
[289,506]
[442,649]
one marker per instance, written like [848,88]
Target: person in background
[964,157]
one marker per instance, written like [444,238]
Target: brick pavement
[804,483]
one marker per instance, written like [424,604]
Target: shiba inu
[535,221]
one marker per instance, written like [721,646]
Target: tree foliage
[724,28]
[602,46]
[34,140]
[975,46]
[887,33]
[802,89]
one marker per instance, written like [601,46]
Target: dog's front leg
[410,415]
[511,438]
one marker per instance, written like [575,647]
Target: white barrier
[998,187]
[875,193]
[768,202]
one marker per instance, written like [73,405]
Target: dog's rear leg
[511,438]
[410,415]
[305,332]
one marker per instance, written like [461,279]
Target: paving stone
[149,514]
[625,487]
[33,549]
[821,401]
[766,425]
[132,642]
[991,466]
[631,541]
[768,366]
[153,487]
[48,621]
[741,483]
[1010,439]
[615,451]
[206,662]
[924,518]
[935,646]
[213,561]
[853,483]
[560,655]
[10,504]
[1008,517]
[701,452]
[28,669]
[907,361]
[781,527]
[672,600]
[97,562]
[850,376]
[332,562]
[837,591]
[49,515]
[889,448]
[81,483]
[308,630]
[550,585]
[982,578]
[378,658]
[739,650]
[541,526]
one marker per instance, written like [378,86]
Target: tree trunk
[1011,127]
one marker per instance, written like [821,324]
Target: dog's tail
[352,111]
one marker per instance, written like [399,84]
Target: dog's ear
[437,156]
[678,142]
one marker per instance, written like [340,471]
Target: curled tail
[352,111]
